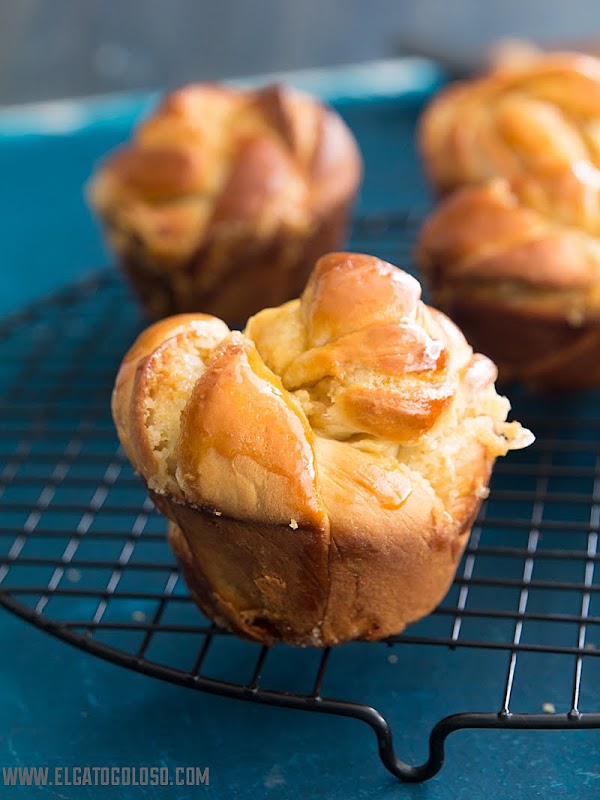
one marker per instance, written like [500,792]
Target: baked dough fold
[321,470]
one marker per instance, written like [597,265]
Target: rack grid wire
[83,553]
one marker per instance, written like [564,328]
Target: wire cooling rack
[83,553]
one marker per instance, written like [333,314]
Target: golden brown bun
[524,290]
[512,253]
[528,125]
[224,198]
[321,471]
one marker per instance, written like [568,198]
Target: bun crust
[224,198]
[512,252]
[321,471]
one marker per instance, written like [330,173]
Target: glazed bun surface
[321,470]
[512,253]
[224,198]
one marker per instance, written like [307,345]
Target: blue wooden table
[62,707]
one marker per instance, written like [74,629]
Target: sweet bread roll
[529,125]
[321,470]
[512,252]
[224,198]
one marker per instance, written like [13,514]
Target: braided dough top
[212,156]
[538,127]
[518,152]
[356,405]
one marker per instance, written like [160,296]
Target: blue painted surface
[60,707]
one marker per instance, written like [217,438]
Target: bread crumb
[139,616]
[217,513]
[294,525]
[483,492]
[549,708]
[590,646]
[392,658]
[575,317]
[73,575]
